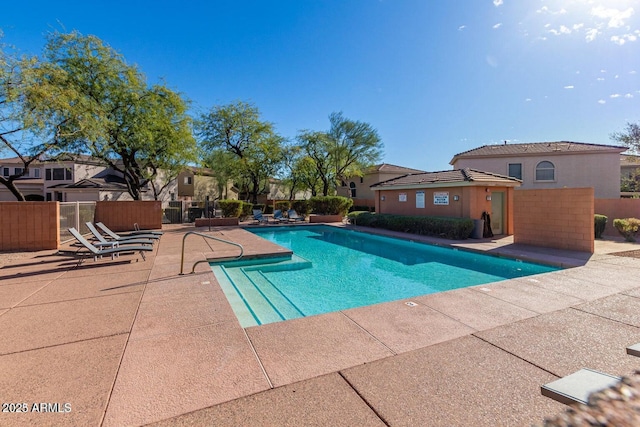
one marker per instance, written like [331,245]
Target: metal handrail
[193,270]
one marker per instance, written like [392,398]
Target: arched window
[545,171]
[352,186]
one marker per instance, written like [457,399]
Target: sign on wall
[441,198]
[402,197]
[420,199]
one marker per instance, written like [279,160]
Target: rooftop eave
[423,185]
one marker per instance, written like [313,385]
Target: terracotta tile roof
[386,167]
[447,177]
[537,148]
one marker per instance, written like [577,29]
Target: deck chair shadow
[118,237]
[104,241]
[258,217]
[293,216]
[112,249]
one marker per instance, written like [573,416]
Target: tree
[629,137]
[318,148]
[136,130]
[256,148]
[342,152]
[28,129]
[355,146]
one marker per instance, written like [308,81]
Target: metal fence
[75,214]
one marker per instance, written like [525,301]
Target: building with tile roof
[459,193]
[561,164]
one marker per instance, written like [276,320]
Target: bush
[301,207]
[448,228]
[627,227]
[330,205]
[247,211]
[283,205]
[230,208]
[362,208]
[600,221]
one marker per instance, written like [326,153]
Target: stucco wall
[121,216]
[29,226]
[600,171]
[556,218]
[616,209]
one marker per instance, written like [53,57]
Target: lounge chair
[104,241]
[136,230]
[634,350]
[113,248]
[115,236]
[293,216]
[258,217]
[277,216]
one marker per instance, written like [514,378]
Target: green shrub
[600,221]
[330,205]
[628,228]
[283,205]
[302,207]
[246,211]
[448,228]
[230,208]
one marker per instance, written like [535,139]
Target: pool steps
[246,286]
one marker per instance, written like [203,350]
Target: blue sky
[433,77]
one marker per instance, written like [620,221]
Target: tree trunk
[11,186]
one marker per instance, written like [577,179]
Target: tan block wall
[616,209]
[29,226]
[555,218]
[121,216]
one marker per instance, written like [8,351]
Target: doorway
[497,212]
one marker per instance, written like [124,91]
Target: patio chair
[576,387]
[258,217]
[277,216]
[293,216]
[634,350]
[112,248]
[118,237]
[137,230]
[104,241]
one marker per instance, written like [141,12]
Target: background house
[550,164]
[359,188]
[630,170]
[460,193]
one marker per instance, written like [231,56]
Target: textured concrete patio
[131,342]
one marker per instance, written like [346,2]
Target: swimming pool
[335,269]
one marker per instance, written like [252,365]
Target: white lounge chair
[576,387]
[115,236]
[102,240]
[111,248]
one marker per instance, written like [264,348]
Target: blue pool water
[335,269]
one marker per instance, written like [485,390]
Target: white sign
[441,198]
[402,197]
[420,199]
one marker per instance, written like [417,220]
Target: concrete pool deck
[132,342]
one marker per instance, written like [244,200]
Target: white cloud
[462,27]
[527,100]
[562,30]
[615,95]
[602,101]
[497,3]
[591,34]
[616,17]
[600,79]
[569,87]
[633,72]
[577,27]
[628,95]
[545,9]
[498,25]
[620,40]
